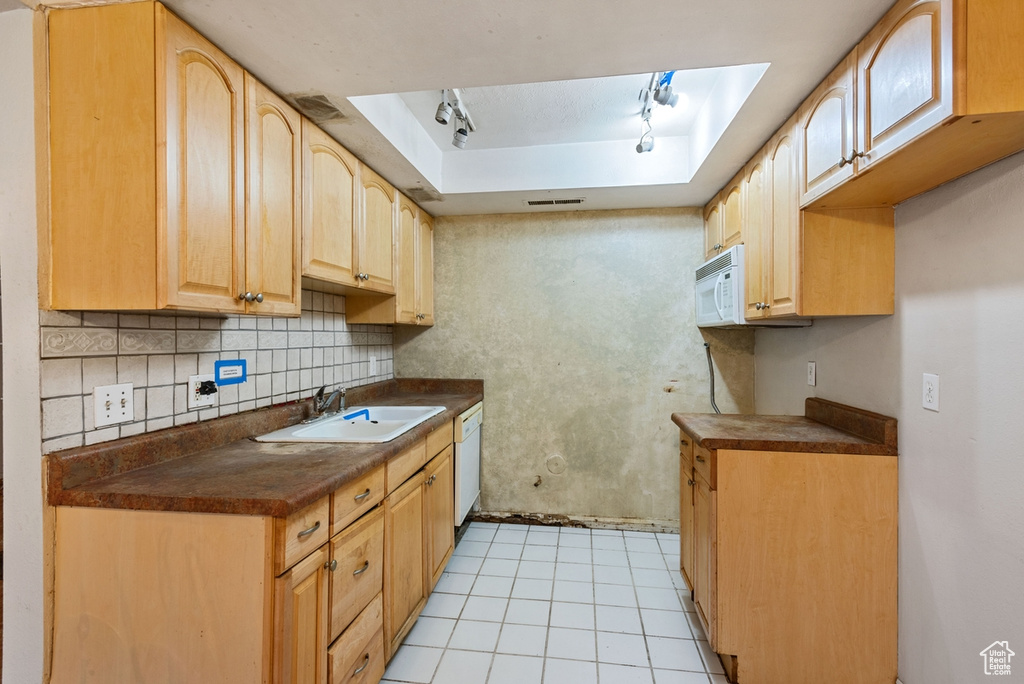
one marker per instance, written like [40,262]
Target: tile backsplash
[286,359]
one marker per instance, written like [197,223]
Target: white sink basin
[364,424]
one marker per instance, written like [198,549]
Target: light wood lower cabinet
[405,586]
[795,554]
[686,509]
[439,503]
[300,621]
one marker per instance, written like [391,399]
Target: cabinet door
[686,511]
[300,622]
[827,133]
[754,235]
[732,213]
[905,76]
[405,590]
[705,590]
[273,156]
[330,179]
[712,228]
[425,269]
[375,241]
[405,269]
[439,504]
[201,177]
[783,275]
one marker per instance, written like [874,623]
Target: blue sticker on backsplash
[230,372]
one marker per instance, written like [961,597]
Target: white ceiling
[372,47]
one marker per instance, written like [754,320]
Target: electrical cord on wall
[711,372]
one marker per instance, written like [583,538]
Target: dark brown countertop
[214,467]
[827,427]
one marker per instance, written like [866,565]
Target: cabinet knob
[309,531]
[690,483]
[700,459]
[718,247]
[245,296]
[259,297]
[360,571]
[758,305]
[331,565]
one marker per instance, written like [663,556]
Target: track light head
[646,144]
[461,136]
[665,96]
[444,113]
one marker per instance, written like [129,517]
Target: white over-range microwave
[721,294]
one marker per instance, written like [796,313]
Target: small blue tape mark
[365,413]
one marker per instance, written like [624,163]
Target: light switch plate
[812,374]
[930,392]
[113,404]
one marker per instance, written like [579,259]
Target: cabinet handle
[700,459]
[360,497]
[366,661]
[331,565]
[250,297]
[311,530]
[690,483]
[683,442]
[361,570]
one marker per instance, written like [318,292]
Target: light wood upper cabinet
[273,209]
[755,235]
[938,94]
[712,228]
[375,257]
[330,192]
[784,245]
[148,152]
[827,133]
[732,213]
[413,302]
[905,77]
[425,269]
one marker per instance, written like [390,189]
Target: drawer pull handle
[361,570]
[700,459]
[360,497]
[311,530]
[366,661]
[683,442]
[331,565]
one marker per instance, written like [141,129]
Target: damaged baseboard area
[588,521]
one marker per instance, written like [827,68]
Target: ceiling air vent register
[553,202]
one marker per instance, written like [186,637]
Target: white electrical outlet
[373,365]
[930,392]
[113,404]
[812,376]
[195,391]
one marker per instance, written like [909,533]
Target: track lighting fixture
[461,134]
[658,92]
[444,110]
[451,103]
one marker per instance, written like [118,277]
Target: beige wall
[578,323]
[960,314]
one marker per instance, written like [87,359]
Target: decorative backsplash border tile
[286,359]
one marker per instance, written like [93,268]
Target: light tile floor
[525,604]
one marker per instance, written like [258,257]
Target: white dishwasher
[468,427]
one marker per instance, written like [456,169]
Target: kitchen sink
[361,424]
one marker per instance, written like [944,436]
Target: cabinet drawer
[439,439]
[704,464]
[359,574]
[685,448]
[352,500]
[357,657]
[300,533]
[400,467]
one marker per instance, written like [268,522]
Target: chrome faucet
[320,405]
